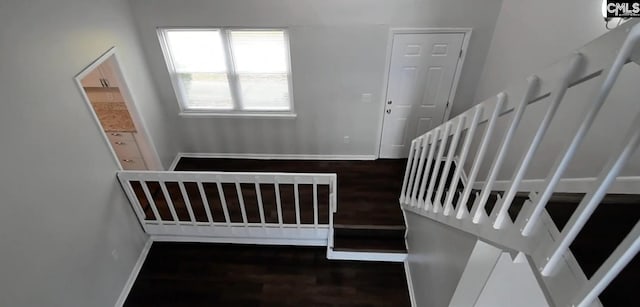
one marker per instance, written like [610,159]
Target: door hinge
[447,105]
[460,55]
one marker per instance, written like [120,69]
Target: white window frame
[232,76]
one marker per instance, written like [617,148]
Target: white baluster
[260,203]
[447,165]
[523,165]
[436,168]
[591,201]
[170,205]
[187,202]
[152,203]
[480,154]
[620,257]
[223,201]
[205,202]
[495,167]
[448,203]
[421,170]
[463,157]
[315,203]
[563,162]
[243,210]
[405,181]
[278,203]
[422,201]
[414,167]
[296,197]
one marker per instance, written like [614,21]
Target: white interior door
[421,75]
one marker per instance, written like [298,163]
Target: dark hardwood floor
[192,274]
[368,191]
[607,227]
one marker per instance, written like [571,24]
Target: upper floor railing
[433,184]
[266,208]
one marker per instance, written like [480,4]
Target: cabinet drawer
[126,149]
[120,137]
[105,96]
[133,164]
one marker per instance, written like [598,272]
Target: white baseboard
[622,185]
[232,240]
[134,273]
[407,273]
[273,156]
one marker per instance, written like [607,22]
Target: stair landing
[368,191]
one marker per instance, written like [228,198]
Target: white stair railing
[215,206]
[529,233]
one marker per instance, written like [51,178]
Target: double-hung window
[221,71]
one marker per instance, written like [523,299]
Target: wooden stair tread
[369,233]
[359,239]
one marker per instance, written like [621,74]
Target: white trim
[622,185]
[384,90]
[238,114]
[456,77]
[366,256]
[175,162]
[232,240]
[274,156]
[134,273]
[407,273]
[78,80]
[237,110]
[147,147]
[251,233]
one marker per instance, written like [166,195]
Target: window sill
[238,115]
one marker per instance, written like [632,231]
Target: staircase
[568,240]
[576,244]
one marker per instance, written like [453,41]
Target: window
[229,71]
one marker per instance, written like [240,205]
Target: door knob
[389,102]
[388,111]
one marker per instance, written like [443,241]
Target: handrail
[576,61]
[563,162]
[158,197]
[546,249]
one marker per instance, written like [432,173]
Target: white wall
[438,255]
[510,282]
[479,268]
[62,211]
[530,35]
[338,52]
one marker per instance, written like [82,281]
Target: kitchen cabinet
[126,148]
[102,76]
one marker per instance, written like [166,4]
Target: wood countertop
[111,110]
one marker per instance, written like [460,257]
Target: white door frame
[147,148]
[456,77]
